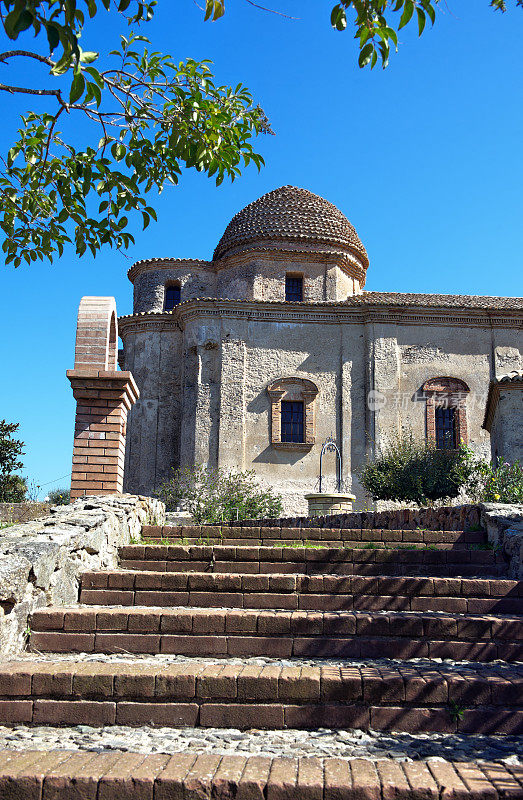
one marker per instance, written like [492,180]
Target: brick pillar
[103,397]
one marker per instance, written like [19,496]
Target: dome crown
[291,214]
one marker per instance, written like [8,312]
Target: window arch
[172,296]
[446,411]
[292,413]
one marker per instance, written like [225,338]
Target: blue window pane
[293,289]
[172,297]
[292,422]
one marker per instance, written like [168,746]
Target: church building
[252,360]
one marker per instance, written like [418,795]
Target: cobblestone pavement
[161,659]
[287,743]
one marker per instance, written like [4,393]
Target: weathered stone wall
[444,518]
[22,512]
[149,284]
[41,561]
[203,381]
[154,423]
[507,425]
[504,526]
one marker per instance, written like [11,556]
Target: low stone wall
[445,518]
[504,526]
[22,512]
[41,561]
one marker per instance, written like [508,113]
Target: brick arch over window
[293,390]
[446,392]
[97,334]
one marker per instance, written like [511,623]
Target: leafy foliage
[377,22]
[59,497]
[145,116]
[214,494]
[12,486]
[500,484]
[414,471]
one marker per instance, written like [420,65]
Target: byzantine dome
[290,214]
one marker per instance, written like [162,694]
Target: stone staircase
[280,629]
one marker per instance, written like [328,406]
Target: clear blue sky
[425,159]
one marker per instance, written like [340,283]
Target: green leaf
[338,18]
[61,66]
[87,57]
[421,20]
[408,11]
[77,88]
[52,37]
[366,54]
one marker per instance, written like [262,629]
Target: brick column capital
[103,397]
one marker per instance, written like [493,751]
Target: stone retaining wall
[504,526]
[445,518]
[22,512]
[41,561]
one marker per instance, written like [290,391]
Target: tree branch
[40,92]
[26,54]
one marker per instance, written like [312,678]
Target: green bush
[500,484]
[408,470]
[213,495]
[59,497]
[13,489]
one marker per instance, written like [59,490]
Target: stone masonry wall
[41,561]
[444,518]
[504,526]
[22,512]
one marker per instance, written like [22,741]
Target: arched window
[292,413]
[446,411]
[172,296]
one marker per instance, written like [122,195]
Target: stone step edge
[268,697]
[192,680]
[485,588]
[311,534]
[320,554]
[291,600]
[133,711]
[368,569]
[39,775]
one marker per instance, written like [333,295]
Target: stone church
[253,359]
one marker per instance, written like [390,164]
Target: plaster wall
[204,392]
[506,432]
[154,424]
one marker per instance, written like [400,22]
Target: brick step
[309,592]
[281,634]
[32,775]
[403,698]
[356,545]
[243,535]
[307,560]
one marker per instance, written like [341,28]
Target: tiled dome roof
[291,214]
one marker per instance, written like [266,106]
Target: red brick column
[103,398]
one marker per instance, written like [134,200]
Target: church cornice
[359,309]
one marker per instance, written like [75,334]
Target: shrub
[13,488]
[214,494]
[500,484]
[59,497]
[408,470]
